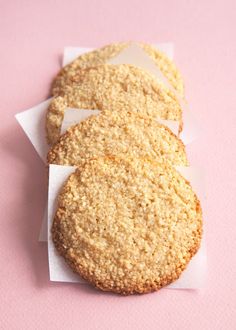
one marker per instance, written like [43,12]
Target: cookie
[118,133]
[114,88]
[101,55]
[127,226]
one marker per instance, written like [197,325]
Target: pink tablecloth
[32,37]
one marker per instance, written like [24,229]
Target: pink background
[32,37]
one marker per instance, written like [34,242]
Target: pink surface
[32,36]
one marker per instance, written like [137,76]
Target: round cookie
[113,87]
[127,226]
[118,133]
[101,55]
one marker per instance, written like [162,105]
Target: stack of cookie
[126,220]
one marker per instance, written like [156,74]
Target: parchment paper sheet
[192,278]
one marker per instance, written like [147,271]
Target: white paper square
[71,53]
[32,122]
[73,116]
[58,270]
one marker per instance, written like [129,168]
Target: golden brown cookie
[114,88]
[127,226]
[101,55]
[118,133]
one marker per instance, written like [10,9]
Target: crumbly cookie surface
[118,133]
[114,88]
[127,226]
[101,55]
